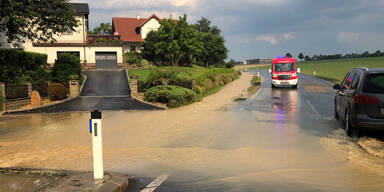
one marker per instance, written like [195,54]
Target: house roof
[129,28]
[80,8]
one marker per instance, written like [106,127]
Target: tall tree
[301,56]
[149,49]
[35,19]
[214,49]
[204,25]
[178,42]
[288,55]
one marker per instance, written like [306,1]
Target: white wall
[89,56]
[77,36]
[152,24]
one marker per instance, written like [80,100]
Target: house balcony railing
[95,39]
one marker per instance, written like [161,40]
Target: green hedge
[17,66]
[66,66]
[173,96]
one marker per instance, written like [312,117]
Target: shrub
[57,91]
[230,64]
[2,100]
[66,65]
[17,66]
[255,81]
[133,58]
[173,96]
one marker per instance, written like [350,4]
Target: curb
[39,107]
[149,103]
[117,183]
[47,105]
[73,180]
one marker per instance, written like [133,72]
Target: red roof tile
[128,28]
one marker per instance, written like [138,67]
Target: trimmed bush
[17,66]
[57,91]
[65,66]
[173,96]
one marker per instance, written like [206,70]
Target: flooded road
[277,140]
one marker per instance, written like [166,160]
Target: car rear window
[374,83]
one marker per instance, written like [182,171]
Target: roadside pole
[97,145]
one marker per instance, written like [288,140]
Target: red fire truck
[284,72]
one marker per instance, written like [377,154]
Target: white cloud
[139,4]
[345,37]
[269,38]
[289,36]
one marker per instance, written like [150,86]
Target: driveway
[103,90]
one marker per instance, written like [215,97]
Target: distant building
[254,62]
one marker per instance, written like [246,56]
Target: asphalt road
[278,140]
[103,90]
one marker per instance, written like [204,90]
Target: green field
[335,70]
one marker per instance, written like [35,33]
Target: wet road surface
[278,140]
[103,90]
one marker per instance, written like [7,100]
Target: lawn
[335,70]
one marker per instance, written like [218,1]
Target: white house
[133,31]
[92,54]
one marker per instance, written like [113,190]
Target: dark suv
[359,100]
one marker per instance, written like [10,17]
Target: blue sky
[268,28]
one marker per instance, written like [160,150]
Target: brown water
[271,142]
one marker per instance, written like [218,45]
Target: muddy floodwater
[277,140]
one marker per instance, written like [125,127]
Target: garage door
[106,60]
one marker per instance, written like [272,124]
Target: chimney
[138,17]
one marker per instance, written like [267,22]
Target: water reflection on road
[274,141]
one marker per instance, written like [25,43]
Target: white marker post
[97,145]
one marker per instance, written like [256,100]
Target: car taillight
[365,99]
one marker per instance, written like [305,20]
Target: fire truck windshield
[280,67]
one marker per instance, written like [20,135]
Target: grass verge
[255,85]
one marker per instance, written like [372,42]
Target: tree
[301,56]
[149,49]
[104,27]
[288,55]
[35,19]
[307,58]
[178,42]
[214,50]
[203,25]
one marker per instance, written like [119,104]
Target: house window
[133,48]
[68,32]
[75,53]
